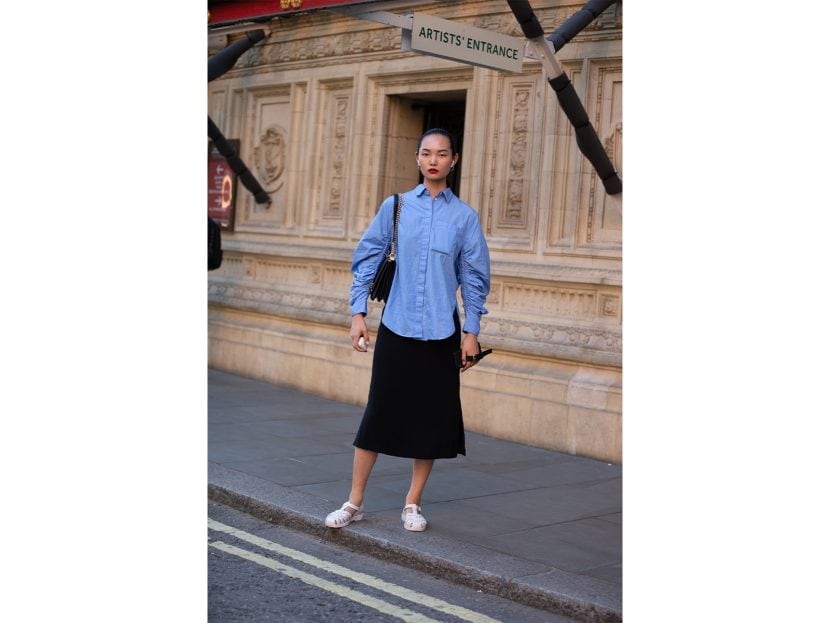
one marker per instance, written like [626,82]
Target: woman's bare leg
[421,469]
[364,461]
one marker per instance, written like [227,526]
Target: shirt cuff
[472,324]
[360,307]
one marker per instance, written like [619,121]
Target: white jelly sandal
[340,518]
[413,521]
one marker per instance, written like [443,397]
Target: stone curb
[378,547]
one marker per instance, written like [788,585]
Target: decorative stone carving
[494,298]
[332,208]
[514,206]
[270,157]
[593,345]
[505,23]
[316,305]
[610,18]
[331,46]
[610,306]
[249,266]
[550,301]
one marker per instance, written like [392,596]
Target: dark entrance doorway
[408,117]
[446,112]
[448,115]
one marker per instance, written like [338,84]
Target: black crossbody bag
[385,272]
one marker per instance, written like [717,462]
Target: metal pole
[223,60]
[579,20]
[586,136]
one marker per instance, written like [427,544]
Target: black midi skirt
[414,406]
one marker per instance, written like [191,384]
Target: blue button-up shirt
[440,247]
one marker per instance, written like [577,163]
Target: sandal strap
[350,505]
[416,509]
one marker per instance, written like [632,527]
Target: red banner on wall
[226,12]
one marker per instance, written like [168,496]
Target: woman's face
[435,157]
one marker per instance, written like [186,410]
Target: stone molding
[559,340]
[574,322]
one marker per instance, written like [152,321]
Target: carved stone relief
[550,301]
[328,47]
[610,306]
[609,19]
[329,157]
[269,156]
[602,345]
[287,287]
[515,207]
[334,206]
[283,272]
[494,298]
[336,280]
[266,150]
[513,163]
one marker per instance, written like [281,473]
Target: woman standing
[414,405]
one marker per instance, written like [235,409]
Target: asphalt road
[258,571]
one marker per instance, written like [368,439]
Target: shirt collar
[420,189]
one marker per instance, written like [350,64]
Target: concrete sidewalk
[538,527]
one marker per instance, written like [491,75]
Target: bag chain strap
[393,249]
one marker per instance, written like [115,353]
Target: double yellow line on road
[363,578]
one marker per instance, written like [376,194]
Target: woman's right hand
[358,330]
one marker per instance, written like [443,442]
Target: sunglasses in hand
[459,359]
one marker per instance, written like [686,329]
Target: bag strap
[394,247]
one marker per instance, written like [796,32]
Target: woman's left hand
[469,348]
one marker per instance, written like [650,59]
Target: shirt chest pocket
[444,239]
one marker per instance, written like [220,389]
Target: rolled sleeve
[367,254]
[474,277]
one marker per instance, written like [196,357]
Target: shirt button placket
[422,277]
[424,320]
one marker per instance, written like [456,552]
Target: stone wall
[337,93]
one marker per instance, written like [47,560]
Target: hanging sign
[459,42]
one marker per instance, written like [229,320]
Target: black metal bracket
[218,64]
[586,136]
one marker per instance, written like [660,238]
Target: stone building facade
[328,110]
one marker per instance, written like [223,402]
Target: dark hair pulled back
[441,132]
